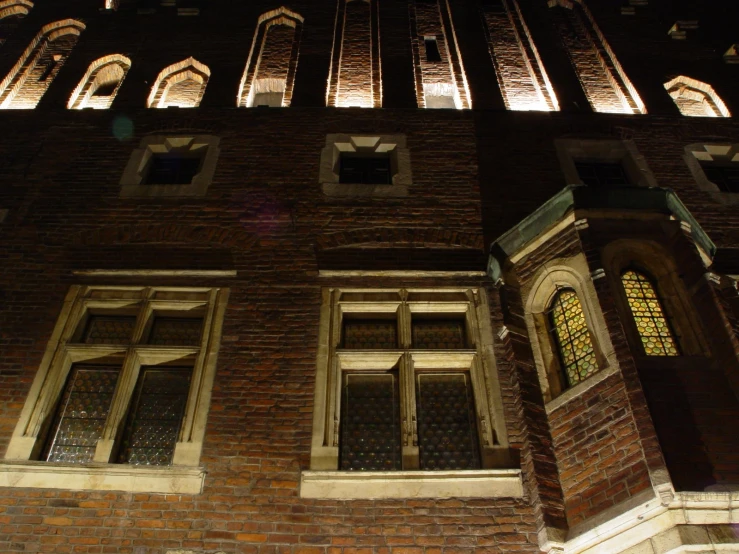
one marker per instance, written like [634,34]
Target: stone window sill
[102,477]
[346,485]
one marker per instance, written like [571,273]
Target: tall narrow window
[603,80]
[31,77]
[269,75]
[572,338]
[432,49]
[657,337]
[99,86]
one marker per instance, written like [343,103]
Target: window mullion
[118,407]
[408,411]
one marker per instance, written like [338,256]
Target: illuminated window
[651,323]
[99,86]
[180,85]
[695,98]
[127,381]
[572,337]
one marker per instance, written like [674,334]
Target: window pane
[651,323]
[432,50]
[81,414]
[726,178]
[447,433]
[444,334]
[367,170]
[370,423]
[109,329]
[173,331]
[155,416]
[169,169]
[370,334]
[574,345]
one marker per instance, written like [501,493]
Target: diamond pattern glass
[370,334]
[447,432]
[656,336]
[574,345]
[103,329]
[81,414]
[155,417]
[443,334]
[174,331]
[370,423]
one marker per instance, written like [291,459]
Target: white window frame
[324,480]
[185,475]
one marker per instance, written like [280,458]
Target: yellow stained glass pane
[651,323]
[574,344]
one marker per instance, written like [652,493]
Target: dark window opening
[106,89]
[725,177]
[432,50]
[602,173]
[55,59]
[172,169]
[370,334]
[366,170]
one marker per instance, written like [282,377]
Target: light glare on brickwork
[180,85]
[695,98]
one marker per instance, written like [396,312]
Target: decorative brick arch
[695,98]
[181,84]
[603,80]
[31,77]
[269,75]
[104,75]
[9,8]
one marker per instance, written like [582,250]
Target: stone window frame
[184,476]
[400,163]
[134,176]
[570,150]
[324,480]
[649,258]
[709,151]
[571,273]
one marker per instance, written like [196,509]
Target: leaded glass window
[370,334]
[443,334]
[370,433]
[174,331]
[447,434]
[572,337]
[654,330]
[81,414]
[155,416]
[109,329]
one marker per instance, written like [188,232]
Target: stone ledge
[412,484]
[106,477]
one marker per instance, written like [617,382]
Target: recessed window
[572,338]
[602,173]
[432,49]
[172,169]
[368,169]
[725,177]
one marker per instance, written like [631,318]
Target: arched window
[270,70]
[695,98]
[572,338]
[181,84]
[99,86]
[30,78]
[657,337]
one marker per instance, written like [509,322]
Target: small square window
[432,49]
[172,169]
[369,169]
[602,173]
[725,177]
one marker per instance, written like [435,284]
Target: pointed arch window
[180,85]
[572,338]
[99,87]
[695,98]
[657,336]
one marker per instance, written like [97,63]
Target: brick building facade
[368,276]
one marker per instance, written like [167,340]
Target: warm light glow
[34,72]
[14,7]
[269,74]
[695,98]
[105,74]
[181,85]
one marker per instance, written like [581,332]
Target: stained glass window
[445,334]
[155,417]
[370,429]
[103,329]
[81,414]
[176,331]
[574,344]
[370,334]
[447,433]
[656,336]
